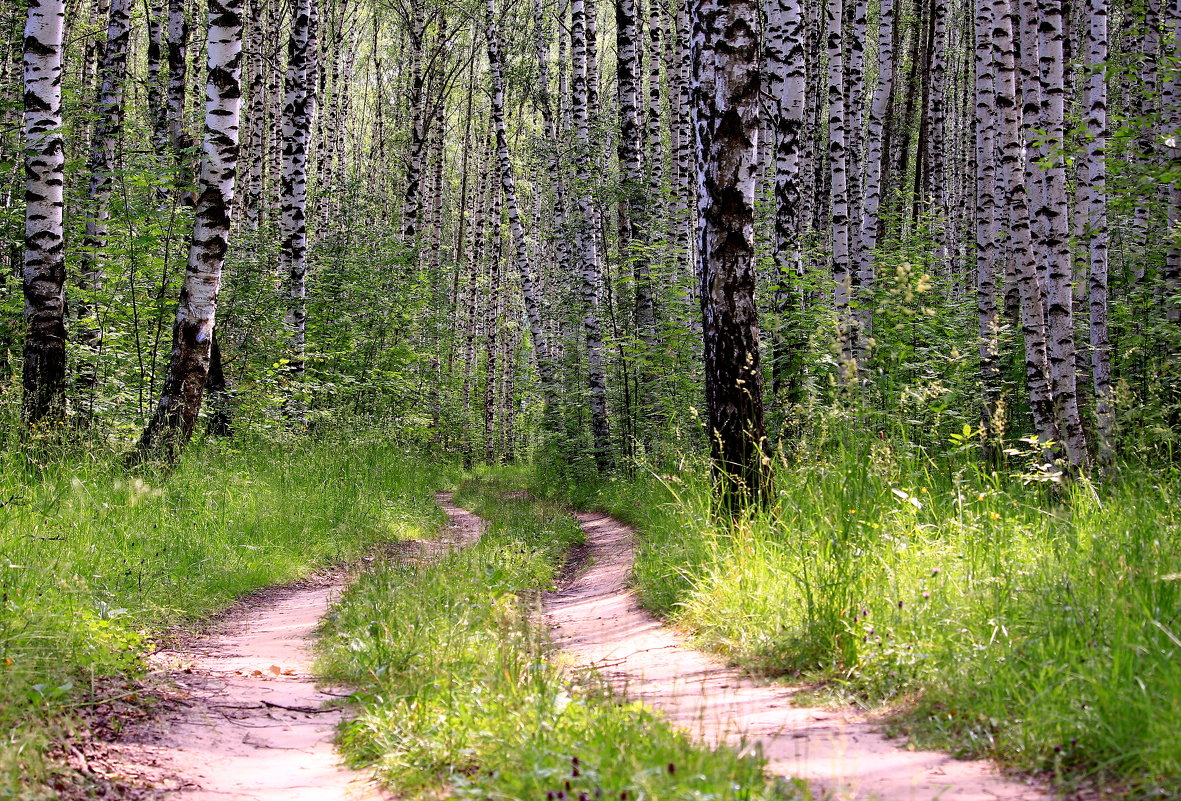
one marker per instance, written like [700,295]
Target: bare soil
[241,715]
[598,621]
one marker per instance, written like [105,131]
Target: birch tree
[108,127]
[1055,225]
[44,260]
[875,160]
[157,113]
[726,87]
[583,71]
[298,98]
[987,222]
[787,79]
[838,165]
[175,416]
[178,62]
[1093,189]
[1033,315]
[529,288]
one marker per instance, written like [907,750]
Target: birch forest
[864,314]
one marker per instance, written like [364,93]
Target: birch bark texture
[112,72]
[1055,226]
[726,85]
[529,289]
[987,222]
[172,423]
[1016,194]
[1094,190]
[44,257]
[178,63]
[838,167]
[293,229]
[787,87]
[583,73]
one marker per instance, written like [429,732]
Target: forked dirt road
[599,622]
[244,719]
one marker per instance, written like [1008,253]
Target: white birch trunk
[108,127]
[293,232]
[1054,213]
[172,424]
[787,87]
[875,161]
[838,163]
[1033,314]
[44,259]
[726,89]
[178,62]
[529,288]
[588,262]
[1094,186]
[987,225]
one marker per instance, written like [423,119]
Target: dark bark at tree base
[221,415]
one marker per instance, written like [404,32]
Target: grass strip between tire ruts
[459,694]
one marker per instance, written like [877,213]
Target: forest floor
[242,715]
[598,620]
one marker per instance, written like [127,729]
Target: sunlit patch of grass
[96,563]
[459,694]
[1040,627]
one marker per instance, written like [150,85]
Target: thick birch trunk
[44,261]
[726,88]
[172,424]
[1056,227]
[1033,314]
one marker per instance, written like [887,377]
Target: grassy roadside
[459,696]
[95,563]
[991,616]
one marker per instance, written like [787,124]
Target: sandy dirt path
[598,620]
[243,717]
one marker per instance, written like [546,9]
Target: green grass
[459,696]
[991,615]
[96,562]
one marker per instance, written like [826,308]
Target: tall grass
[460,695]
[991,614]
[95,563]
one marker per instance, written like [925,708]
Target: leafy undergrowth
[991,615]
[459,697]
[95,563]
